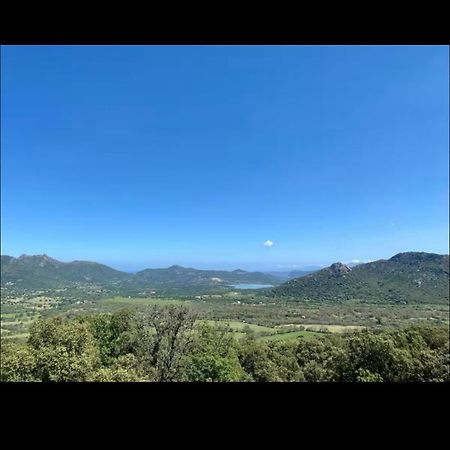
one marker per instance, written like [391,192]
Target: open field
[323,328]
[125,301]
[10,316]
[292,335]
[18,337]
[239,326]
[242,313]
[14,325]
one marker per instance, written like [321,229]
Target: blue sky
[141,156]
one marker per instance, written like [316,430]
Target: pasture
[126,301]
[291,335]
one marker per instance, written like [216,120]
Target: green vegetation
[405,278]
[290,335]
[242,326]
[178,276]
[249,311]
[382,321]
[43,272]
[125,301]
[169,344]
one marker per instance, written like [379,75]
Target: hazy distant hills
[406,277]
[181,276]
[41,271]
[292,274]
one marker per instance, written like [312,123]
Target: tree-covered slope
[41,271]
[178,276]
[407,277]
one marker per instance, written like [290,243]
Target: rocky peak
[40,260]
[339,268]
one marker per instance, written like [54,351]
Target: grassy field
[11,316]
[276,320]
[240,326]
[291,336]
[323,328]
[14,325]
[125,301]
[20,336]
[238,334]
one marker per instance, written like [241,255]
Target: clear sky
[141,156]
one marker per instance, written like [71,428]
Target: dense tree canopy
[167,344]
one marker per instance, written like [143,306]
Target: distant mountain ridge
[177,275]
[41,271]
[291,274]
[416,277]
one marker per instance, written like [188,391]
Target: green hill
[178,276]
[42,272]
[410,277]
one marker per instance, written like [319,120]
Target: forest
[170,344]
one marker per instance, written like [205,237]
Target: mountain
[43,272]
[415,277]
[178,276]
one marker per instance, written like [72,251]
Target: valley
[330,300]
[329,305]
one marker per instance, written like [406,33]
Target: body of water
[251,286]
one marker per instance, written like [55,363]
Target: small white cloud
[355,261]
[268,244]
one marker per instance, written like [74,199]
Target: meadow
[125,302]
[244,313]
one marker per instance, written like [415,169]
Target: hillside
[42,272]
[178,276]
[410,277]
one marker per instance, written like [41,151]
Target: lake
[251,286]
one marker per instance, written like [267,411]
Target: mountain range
[406,277]
[415,277]
[41,271]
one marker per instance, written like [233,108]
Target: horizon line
[292,268]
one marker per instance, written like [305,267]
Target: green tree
[364,375]
[320,359]
[125,368]
[64,351]
[115,334]
[213,355]
[17,362]
[164,338]
[257,361]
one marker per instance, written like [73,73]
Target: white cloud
[268,244]
[355,261]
